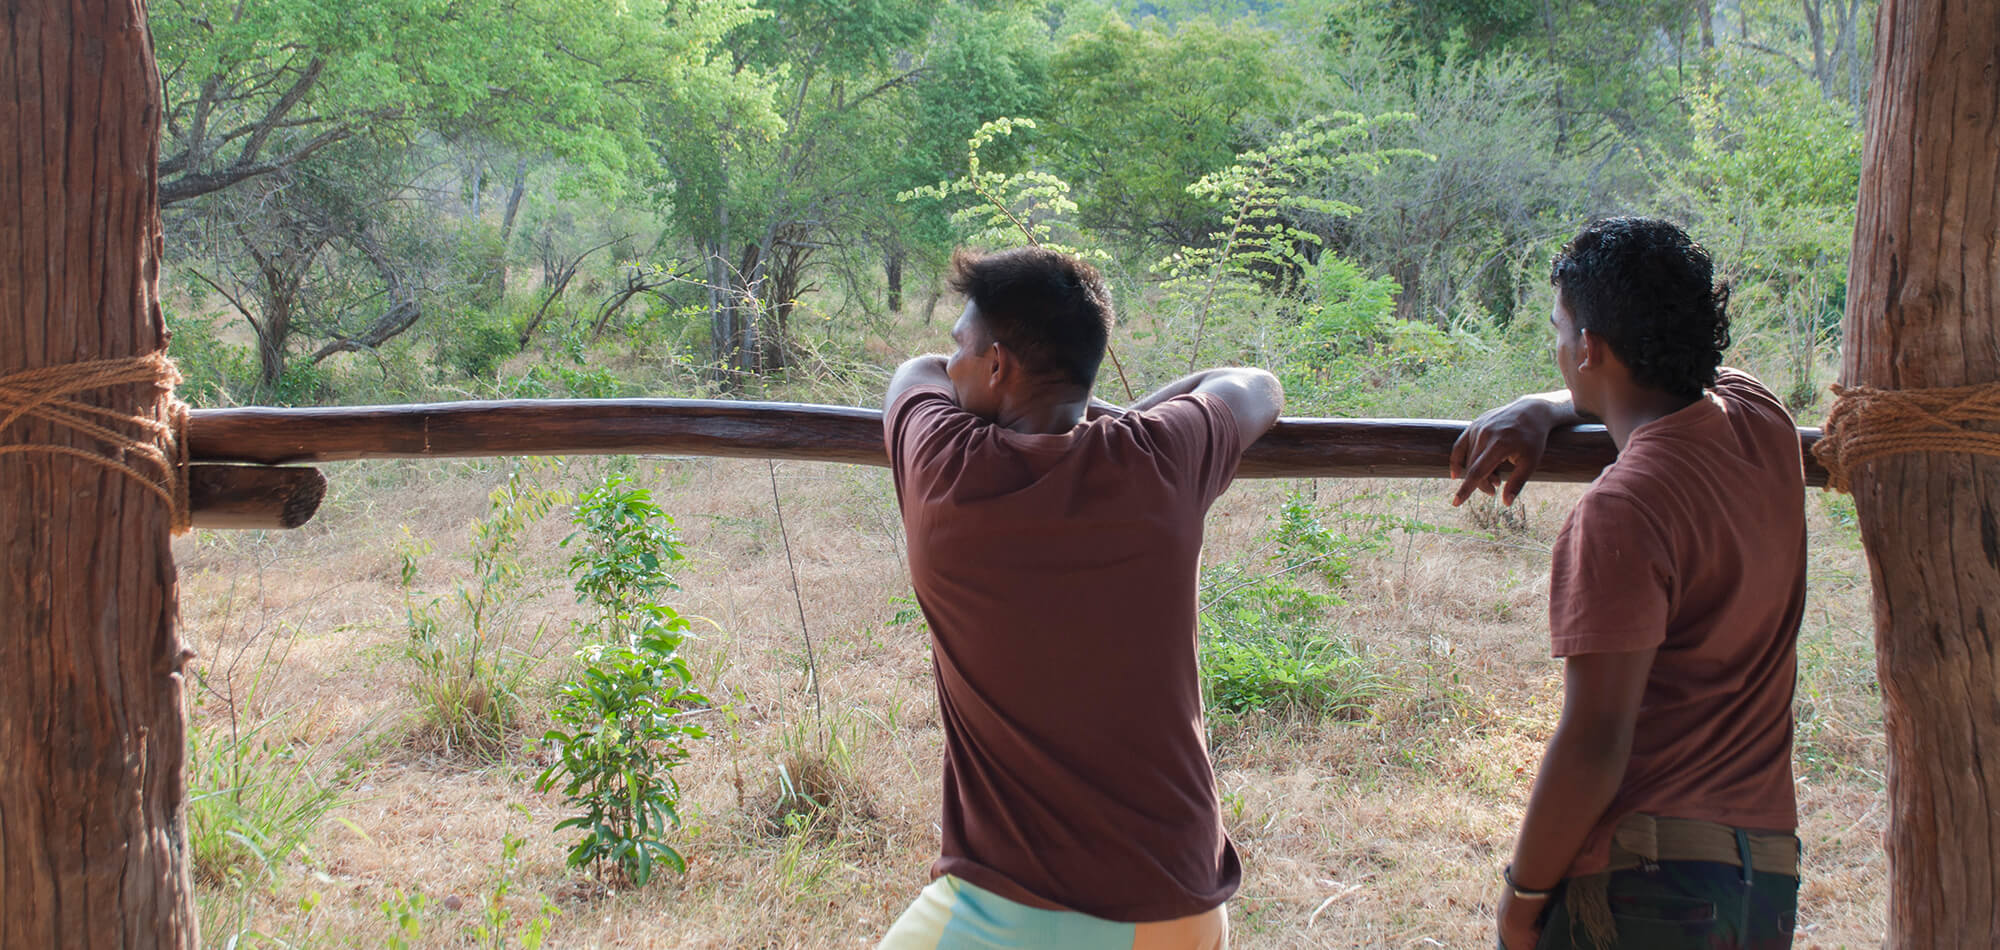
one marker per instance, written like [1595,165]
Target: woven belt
[1647,839]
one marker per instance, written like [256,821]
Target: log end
[254,497]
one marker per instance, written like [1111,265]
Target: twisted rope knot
[1868,423]
[149,448]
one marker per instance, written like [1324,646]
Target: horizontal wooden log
[253,497]
[1295,448]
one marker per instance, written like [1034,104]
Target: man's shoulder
[1740,390]
[920,409]
[1198,415]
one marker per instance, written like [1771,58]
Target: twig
[812,661]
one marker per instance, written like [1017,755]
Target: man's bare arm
[917,371]
[1579,775]
[1252,395]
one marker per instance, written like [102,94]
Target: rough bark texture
[91,735]
[1924,298]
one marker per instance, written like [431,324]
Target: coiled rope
[1868,423]
[150,450]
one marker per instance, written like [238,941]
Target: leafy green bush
[476,343]
[1267,640]
[213,372]
[619,735]
[473,652]
[1307,677]
[620,726]
[625,542]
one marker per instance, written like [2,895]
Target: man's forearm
[1561,409]
[928,370]
[1179,387]
[1578,778]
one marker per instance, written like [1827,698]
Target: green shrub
[1307,678]
[1267,639]
[619,735]
[620,726]
[624,544]
[476,343]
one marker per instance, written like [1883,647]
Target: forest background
[416,200]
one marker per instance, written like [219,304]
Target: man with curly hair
[1663,814]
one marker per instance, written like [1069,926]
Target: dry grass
[1384,832]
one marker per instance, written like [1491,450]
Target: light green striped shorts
[951,914]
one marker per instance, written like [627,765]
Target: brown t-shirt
[1058,575]
[1693,542]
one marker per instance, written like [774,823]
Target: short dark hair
[1650,291]
[1050,309]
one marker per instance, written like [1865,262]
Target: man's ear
[1595,353]
[1005,365]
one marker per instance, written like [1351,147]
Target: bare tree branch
[196,185]
[403,311]
[226,295]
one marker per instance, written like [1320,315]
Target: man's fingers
[1515,481]
[1478,474]
[1459,449]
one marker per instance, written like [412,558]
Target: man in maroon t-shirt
[1054,551]
[1662,815]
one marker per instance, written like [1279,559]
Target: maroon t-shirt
[1058,575]
[1693,543]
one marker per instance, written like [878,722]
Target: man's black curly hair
[1650,291]
[1053,310]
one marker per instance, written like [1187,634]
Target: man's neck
[1054,415]
[1625,412]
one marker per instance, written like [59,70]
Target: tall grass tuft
[257,794]
[473,651]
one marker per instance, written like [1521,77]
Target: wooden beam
[253,497]
[1296,448]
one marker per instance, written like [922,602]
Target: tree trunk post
[92,823]
[1924,313]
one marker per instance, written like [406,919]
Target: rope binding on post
[1868,423]
[151,451]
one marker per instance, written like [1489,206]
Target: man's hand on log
[1515,434]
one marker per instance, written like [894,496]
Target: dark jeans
[1687,905]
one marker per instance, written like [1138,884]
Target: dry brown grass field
[1378,830]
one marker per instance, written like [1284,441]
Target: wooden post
[91,735]
[1923,313]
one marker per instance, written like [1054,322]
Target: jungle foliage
[409,199]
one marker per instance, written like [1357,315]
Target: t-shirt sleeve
[1198,433]
[914,428]
[1737,386]
[1611,584]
